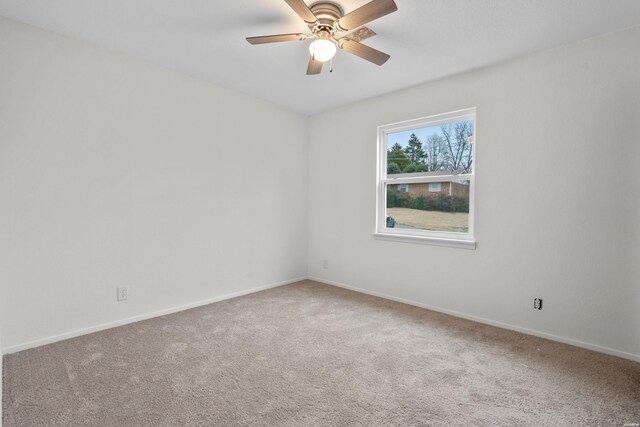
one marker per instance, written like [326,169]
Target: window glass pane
[420,208]
[447,147]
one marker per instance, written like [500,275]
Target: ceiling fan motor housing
[327,14]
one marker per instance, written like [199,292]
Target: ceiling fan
[326,20]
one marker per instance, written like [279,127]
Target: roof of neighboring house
[434,173]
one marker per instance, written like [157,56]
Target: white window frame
[439,187]
[405,186]
[441,238]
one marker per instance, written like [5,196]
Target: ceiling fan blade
[363,51]
[360,34]
[277,38]
[367,13]
[315,67]
[303,11]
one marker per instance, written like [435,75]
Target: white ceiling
[427,39]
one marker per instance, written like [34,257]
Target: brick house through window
[430,190]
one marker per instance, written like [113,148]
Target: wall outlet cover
[537,303]
[123,294]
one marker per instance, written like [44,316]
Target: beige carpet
[314,355]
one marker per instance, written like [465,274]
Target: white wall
[118,173]
[557,196]
[114,172]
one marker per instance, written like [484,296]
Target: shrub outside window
[426,180]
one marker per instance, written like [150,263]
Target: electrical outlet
[123,294]
[325,264]
[537,303]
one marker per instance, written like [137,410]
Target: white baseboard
[103,326]
[588,346]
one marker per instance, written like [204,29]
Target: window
[435,157]
[435,187]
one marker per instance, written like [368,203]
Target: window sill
[436,241]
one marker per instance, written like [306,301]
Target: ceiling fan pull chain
[331,65]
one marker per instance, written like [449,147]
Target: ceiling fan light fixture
[322,50]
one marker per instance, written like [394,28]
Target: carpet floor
[309,354]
